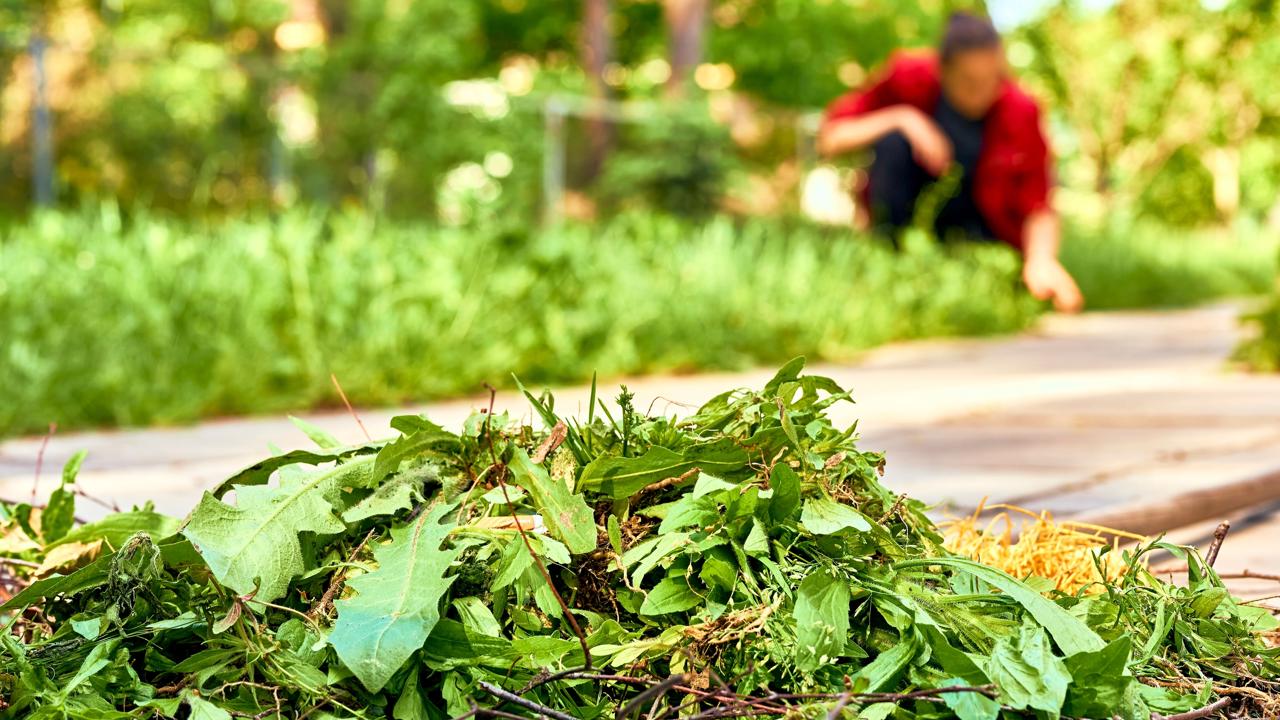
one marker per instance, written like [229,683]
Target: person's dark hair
[965,32]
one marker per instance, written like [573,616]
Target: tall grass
[1127,264]
[111,322]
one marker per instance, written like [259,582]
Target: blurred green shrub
[1261,350]
[122,322]
[1137,264]
[126,321]
[679,163]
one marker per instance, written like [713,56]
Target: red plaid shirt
[1012,179]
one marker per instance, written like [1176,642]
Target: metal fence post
[41,127]
[553,160]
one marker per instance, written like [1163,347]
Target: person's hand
[928,143]
[1047,279]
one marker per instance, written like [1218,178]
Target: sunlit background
[210,207]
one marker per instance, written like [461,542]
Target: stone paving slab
[1081,413]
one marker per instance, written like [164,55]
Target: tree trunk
[686,21]
[597,50]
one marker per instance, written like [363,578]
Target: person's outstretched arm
[929,144]
[1043,273]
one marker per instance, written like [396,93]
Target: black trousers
[895,184]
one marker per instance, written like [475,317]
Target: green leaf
[1027,672]
[566,514]
[1068,631]
[72,469]
[321,438]
[822,620]
[260,472]
[116,528]
[391,496]
[620,477]
[253,547]
[202,709]
[970,705]
[671,595]
[90,576]
[59,514]
[615,534]
[880,673]
[757,542]
[719,569]
[428,436]
[411,705]
[1100,680]
[821,516]
[477,617]
[786,492]
[397,605]
[98,658]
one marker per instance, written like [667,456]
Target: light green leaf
[821,516]
[970,705]
[1099,679]
[427,436]
[477,617]
[880,673]
[391,496]
[671,595]
[1068,631]
[321,438]
[116,528]
[566,514]
[822,620]
[202,709]
[396,605]
[1027,672]
[757,542]
[254,545]
[786,492]
[59,513]
[620,477]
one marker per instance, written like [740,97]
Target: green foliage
[678,163]
[440,609]
[113,321]
[1261,350]
[397,605]
[109,321]
[1132,264]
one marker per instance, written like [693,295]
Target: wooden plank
[1196,506]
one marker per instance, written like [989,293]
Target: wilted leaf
[68,557]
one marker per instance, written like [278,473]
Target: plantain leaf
[253,547]
[1027,672]
[822,620]
[397,605]
[821,516]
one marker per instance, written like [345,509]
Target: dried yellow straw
[1063,552]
